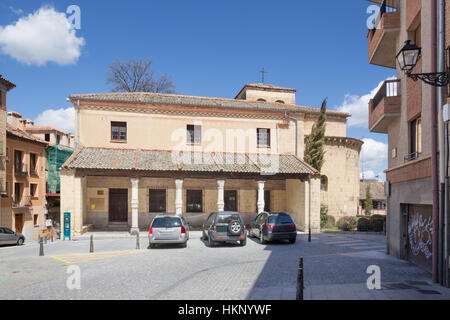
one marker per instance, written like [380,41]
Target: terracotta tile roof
[44,129]
[23,134]
[376,190]
[6,83]
[185,161]
[183,100]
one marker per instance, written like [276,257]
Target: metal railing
[390,88]
[387,6]
[413,156]
[21,202]
[21,169]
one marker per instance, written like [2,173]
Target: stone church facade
[140,154]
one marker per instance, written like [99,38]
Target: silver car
[8,236]
[168,229]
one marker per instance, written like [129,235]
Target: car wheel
[152,246]
[292,241]
[243,243]
[20,242]
[261,238]
[184,245]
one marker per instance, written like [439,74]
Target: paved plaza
[335,268]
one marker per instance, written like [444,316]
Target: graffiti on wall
[420,232]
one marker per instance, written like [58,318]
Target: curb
[354,232]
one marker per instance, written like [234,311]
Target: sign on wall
[67,223]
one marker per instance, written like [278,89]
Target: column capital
[179,183]
[135,182]
[221,183]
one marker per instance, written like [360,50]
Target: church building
[142,154]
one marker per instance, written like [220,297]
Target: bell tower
[262,92]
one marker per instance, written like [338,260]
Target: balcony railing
[383,36]
[21,202]
[387,6]
[385,105]
[20,169]
[413,156]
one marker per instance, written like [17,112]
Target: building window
[47,137]
[194,134]
[33,190]
[119,131]
[263,138]
[35,219]
[194,201]
[261,100]
[324,183]
[19,165]
[7,155]
[58,139]
[416,137]
[17,193]
[33,163]
[157,200]
[280,101]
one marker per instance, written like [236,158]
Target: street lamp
[407,59]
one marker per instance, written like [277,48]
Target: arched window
[324,183]
[280,101]
[261,100]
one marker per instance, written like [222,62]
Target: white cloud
[62,119]
[358,107]
[371,175]
[373,158]
[17,11]
[42,37]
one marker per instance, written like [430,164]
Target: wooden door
[19,223]
[118,205]
[420,235]
[230,200]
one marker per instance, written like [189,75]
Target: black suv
[273,226]
[224,227]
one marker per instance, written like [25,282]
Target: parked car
[8,236]
[273,226]
[225,227]
[168,229]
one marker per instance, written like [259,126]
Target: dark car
[273,226]
[224,227]
[8,236]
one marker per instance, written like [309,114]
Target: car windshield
[280,220]
[227,218]
[168,222]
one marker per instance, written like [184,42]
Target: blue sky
[210,48]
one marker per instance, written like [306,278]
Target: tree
[368,204]
[314,153]
[136,75]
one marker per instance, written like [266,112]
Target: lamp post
[407,59]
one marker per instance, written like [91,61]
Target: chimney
[14,119]
[29,123]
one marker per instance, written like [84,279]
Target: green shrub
[323,216]
[347,223]
[377,223]
[364,225]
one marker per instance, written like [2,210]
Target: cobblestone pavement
[335,268]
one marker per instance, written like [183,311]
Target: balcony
[20,169]
[21,202]
[385,106]
[383,38]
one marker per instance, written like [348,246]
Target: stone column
[220,196]
[134,206]
[179,197]
[261,204]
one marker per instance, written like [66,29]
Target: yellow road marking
[85,257]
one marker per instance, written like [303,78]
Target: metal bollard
[41,247]
[91,249]
[300,286]
[138,247]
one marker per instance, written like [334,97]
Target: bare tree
[136,75]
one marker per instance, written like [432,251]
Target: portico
[191,193]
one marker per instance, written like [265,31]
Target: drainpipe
[442,152]
[77,140]
[286,116]
[434,146]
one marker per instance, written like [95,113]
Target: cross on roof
[263,72]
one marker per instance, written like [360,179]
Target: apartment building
[142,154]
[407,110]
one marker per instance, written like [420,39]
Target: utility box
[446,113]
